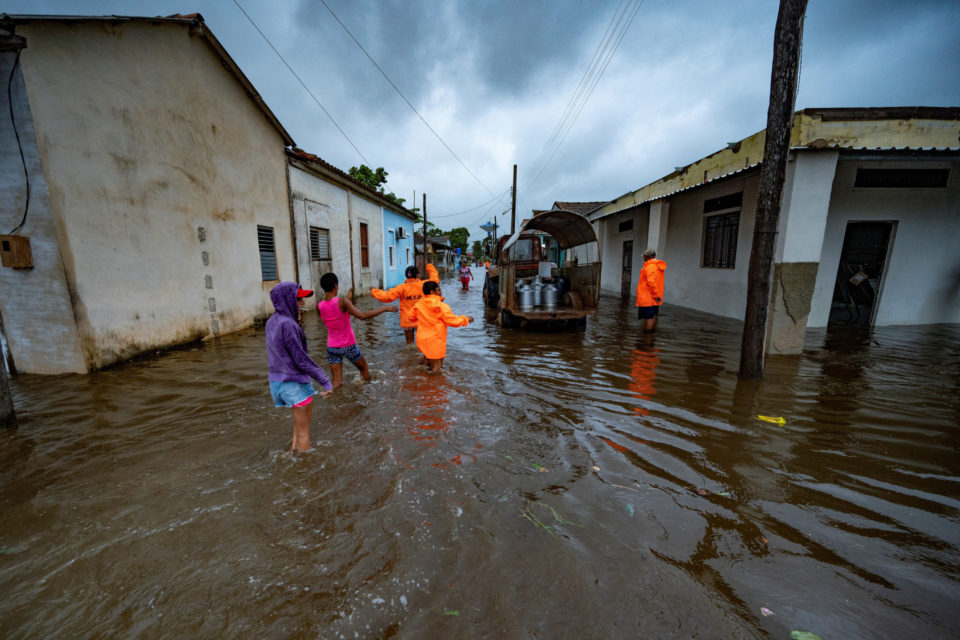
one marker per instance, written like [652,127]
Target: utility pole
[783,94]
[496,242]
[8,417]
[424,233]
[513,203]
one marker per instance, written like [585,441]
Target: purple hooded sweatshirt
[287,357]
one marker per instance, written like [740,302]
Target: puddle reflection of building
[643,373]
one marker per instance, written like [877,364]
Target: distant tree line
[376,178]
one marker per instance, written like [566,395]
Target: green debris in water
[804,635]
[451,613]
[553,528]
[630,510]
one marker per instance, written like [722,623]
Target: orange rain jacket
[431,315]
[650,285]
[408,293]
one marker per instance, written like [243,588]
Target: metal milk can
[524,297]
[550,296]
[537,290]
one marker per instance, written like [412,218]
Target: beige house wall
[317,203]
[145,138]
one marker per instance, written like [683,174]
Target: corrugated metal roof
[675,192]
[299,154]
[848,130]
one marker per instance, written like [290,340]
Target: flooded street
[586,484]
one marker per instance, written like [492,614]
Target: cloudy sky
[494,78]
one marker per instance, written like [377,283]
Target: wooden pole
[513,203]
[8,417]
[783,92]
[424,233]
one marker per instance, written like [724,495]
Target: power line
[302,83]
[400,93]
[614,34]
[450,215]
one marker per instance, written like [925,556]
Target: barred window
[268,253]
[319,243]
[720,231]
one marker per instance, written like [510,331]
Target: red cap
[304,293]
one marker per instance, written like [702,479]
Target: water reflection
[595,483]
[643,374]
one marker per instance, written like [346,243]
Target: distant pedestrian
[289,367]
[335,313]
[433,316]
[466,275]
[650,289]
[408,292]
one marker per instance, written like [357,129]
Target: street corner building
[145,198]
[869,228]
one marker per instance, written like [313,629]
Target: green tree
[477,248]
[375,179]
[459,237]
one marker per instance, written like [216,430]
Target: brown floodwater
[586,484]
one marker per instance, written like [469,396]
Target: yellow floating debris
[778,420]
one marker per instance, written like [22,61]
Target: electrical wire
[400,93]
[610,42]
[450,215]
[23,160]
[302,83]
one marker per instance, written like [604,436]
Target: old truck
[527,289]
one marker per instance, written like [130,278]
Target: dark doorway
[855,295]
[626,278]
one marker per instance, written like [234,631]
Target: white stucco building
[339,226]
[151,189]
[869,229]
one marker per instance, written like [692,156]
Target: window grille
[319,243]
[268,253]
[720,240]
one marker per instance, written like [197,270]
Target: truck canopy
[569,228]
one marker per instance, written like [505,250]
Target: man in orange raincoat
[650,289]
[408,293]
[432,317]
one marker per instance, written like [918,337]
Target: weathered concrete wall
[921,284]
[317,203]
[145,137]
[719,291]
[364,211]
[803,217]
[38,321]
[611,240]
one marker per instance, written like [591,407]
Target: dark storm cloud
[491,48]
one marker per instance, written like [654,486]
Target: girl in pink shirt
[335,313]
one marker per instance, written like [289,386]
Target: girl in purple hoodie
[289,365]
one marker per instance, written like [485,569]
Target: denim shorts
[289,393]
[335,355]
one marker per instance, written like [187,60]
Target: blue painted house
[397,246]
